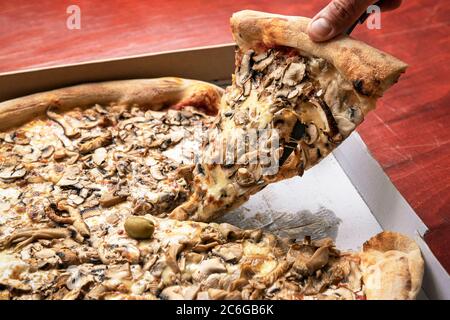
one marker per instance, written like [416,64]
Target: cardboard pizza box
[347,196]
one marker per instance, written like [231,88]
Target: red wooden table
[409,133]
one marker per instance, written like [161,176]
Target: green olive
[139,227]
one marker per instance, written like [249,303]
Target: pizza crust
[370,70]
[154,93]
[392,267]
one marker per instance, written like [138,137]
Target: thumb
[336,17]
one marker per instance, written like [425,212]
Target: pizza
[308,96]
[97,187]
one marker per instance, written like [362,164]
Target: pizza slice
[291,102]
[144,257]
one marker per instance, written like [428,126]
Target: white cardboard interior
[348,185]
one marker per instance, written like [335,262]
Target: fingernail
[320,28]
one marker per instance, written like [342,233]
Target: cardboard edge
[390,209]
[198,63]
[114,59]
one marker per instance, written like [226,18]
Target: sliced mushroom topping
[61,154]
[78,222]
[312,133]
[356,115]
[7,137]
[307,265]
[230,232]
[156,173]
[186,113]
[99,156]
[180,293]
[245,71]
[95,143]
[69,131]
[247,88]
[100,109]
[241,118]
[244,177]
[12,173]
[293,93]
[15,284]
[281,268]
[294,74]
[67,181]
[230,252]
[262,64]
[125,123]
[318,260]
[207,267]
[68,257]
[47,152]
[345,126]
[141,207]
[172,256]
[20,138]
[111,198]
[21,238]
[51,214]
[75,199]
[261,56]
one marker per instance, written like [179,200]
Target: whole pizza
[110,190]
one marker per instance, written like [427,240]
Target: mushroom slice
[23,237]
[15,284]
[245,71]
[262,64]
[12,173]
[62,154]
[294,74]
[172,254]
[77,200]
[312,133]
[68,180]
[244,178]
[180,293]
[110,198]
[69,131]
[47,152]
[51,214]
[78,222]
[156,173]
[133,120]
[345,125]
[20,138]
[318,260]
[230,252]
[275,274]
[230,232]
[95,143]
[99,156]
[100,109]
[207,267]
[68,257]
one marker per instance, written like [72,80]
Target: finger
[388,5]
[336,17]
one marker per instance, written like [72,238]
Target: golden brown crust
[371,71]
[154,93]
[392,267]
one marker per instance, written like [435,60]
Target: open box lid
[360,195]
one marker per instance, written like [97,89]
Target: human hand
[339,15]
